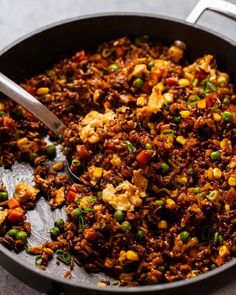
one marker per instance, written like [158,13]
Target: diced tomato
[13,203]
[70,197]
[15,215]
[211,100]
[144,156]
[200,74]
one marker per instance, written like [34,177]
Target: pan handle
[221,6]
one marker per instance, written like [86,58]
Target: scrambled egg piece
[140,181]
[92,121]
[116,160]
[3,216]
[58,197]
[124,197]
[25,192]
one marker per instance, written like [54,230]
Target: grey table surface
[19,17]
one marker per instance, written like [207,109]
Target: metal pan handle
[224,7]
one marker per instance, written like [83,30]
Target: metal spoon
[31,104]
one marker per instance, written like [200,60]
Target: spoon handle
[31,104]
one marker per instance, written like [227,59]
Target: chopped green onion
[168,132]
[115,283]
[64,256]
[209,87]
[91,199]
[88,210]
[130,147]
[75,162]
[38,260]
[150,65]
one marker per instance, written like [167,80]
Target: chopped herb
[115,283]
[168,132]
[88,210]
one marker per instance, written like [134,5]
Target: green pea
[191,171]
[161,268]
[21,235]
[138,82]
[226,101]
[54,232]
[126,226]
[215,155]
[113,68]
[2,113]
[77,212]
[3,196]
[119,215]
[227,116]
[164,168]
[184,236]
[159,203]
[140,234]
[12,233]
[213,266]
[150,65]
[177,119]
[196,190]
[59,223]
[148,146]
[51,150]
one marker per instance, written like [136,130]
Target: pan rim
[85,286]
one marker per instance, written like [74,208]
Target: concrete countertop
[18,18]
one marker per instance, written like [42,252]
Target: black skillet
[38,51]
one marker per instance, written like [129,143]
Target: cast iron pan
[40,50]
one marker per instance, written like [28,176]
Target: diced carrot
[219,260]
[165,127]
[13,203]
[172,81]
[7,121]
[70,197]
[144,156]
[120,51]
[15,215]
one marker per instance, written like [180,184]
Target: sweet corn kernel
[141,101]
[162,224]
[224,251]
[227,207]
[181,140]
[189,76]
[209,173]
[122,256]
[216,117]
[225,143]
[183,180]
[232,180]
[97,172]
[170,204]
[201,104]
[42,90]
[132,255]
[22,141]
[217,173]
[168,97]
[183,82]
[192,242]
[184,113]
